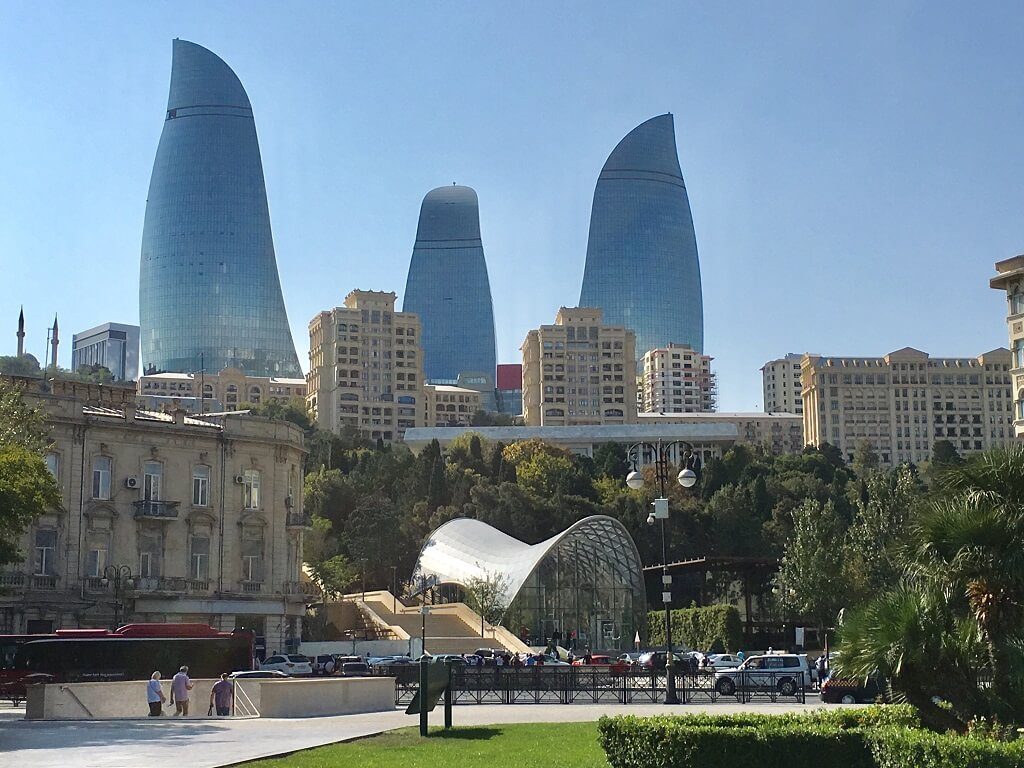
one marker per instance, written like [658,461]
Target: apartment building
[677,379]
[445,406]
[1010,278]
[780,381]
[579,371]
[903,402]
[366,367]
[229,390]
[165,517]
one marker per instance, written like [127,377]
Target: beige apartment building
[366,367]
[1010,278]
[677,379]
[165,517]
[579,371]
[781,384]
[446,406]
[903,402]
[228,390]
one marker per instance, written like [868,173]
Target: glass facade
[642,267]
[112,345]
[209,294]
[448,287]
[585,583]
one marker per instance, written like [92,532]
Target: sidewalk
[213,743]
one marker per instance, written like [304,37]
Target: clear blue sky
[853,171]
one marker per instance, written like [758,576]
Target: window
[45,552]
[149,555]
[199,566]
[252,554]
[153,472]
[53,463]
[1016,303]
[96,559]
[101,477]
[1018,353]
[200,486]
[251,485]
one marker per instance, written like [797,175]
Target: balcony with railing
[302,588]
[43,581]
[12,579]
[150,509]
[250,587]
[298,520]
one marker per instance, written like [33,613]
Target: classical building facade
[202,517]
[366,367]
[778,433]
[1010,278]
[579,371]
[677,379]
[445,406]
[209,292]
[780,380]
[228,390]
[642,268]
[903,402]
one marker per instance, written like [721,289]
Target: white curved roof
[465,549]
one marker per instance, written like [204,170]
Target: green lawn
[566,745]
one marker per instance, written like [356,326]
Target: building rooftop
[708,430]
[167,418]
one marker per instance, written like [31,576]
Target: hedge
[717,628]
[876,737]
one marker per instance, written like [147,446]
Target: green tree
[610,461]
[865,459]
[334,576]
[27,489]
[488,595]
[945,455]
[26,365]
[810,582]
[491,419]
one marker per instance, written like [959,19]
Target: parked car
[389,661]
[324,664]
[258,674]
[355,669]
[787,672]
[599,660]
[849,691]
[656,660]
[724,660]
[291,664]
[454,658]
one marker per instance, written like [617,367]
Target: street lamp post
[687,478]
[424,609]
[120,576]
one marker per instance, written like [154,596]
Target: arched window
[554,412]
[613,412]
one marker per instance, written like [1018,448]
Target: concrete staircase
[450,628]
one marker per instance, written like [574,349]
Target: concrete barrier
[298,697]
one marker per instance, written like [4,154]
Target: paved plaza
[211,743]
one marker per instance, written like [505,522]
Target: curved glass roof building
[587,579]
[209,292]
[448,287]
[642,267]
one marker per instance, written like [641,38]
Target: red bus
[131,652]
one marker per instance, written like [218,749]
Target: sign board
[437,681]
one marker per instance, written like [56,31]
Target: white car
[724,660]
[784,672]
[291,664]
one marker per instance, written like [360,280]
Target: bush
[874,737]
[717,628]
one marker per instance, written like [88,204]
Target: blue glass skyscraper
[209,292]
[642,266]
[448,287]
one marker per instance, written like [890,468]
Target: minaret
[54,342]
[21,333]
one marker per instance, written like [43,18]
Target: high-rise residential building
[642,268]
[113,346]
[448,289]
[510,388]
[209,294]
[446,406]
[780,380]
[366,367]
[677,379]
[579,371]
[229,390]
[902,403]
[206,513]
[1010,278]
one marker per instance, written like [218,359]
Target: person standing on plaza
[180,686]
[155,695]
[221,695]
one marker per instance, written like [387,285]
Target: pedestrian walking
[155,695]
[180,686]
[220,696]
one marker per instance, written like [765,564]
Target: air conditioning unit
[239,479]
[131,482]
